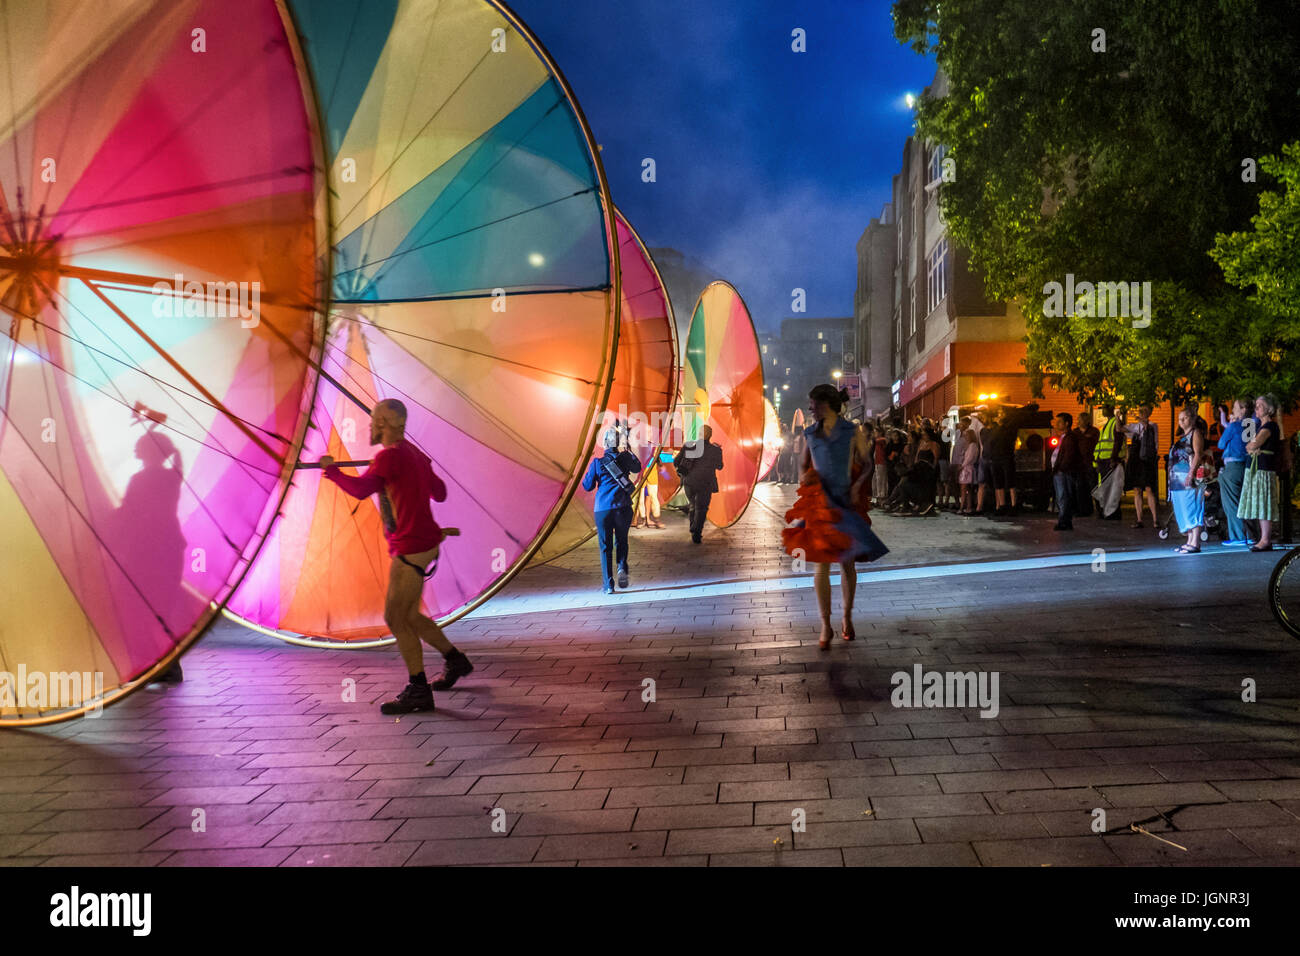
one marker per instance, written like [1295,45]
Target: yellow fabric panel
[393,141]
[40,619]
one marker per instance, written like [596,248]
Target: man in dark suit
[1067,466]
[698,464]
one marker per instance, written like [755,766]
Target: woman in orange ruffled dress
[829,522]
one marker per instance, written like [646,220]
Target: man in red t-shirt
[402,476]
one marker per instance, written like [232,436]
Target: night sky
[770,163]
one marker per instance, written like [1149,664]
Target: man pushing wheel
[403,477]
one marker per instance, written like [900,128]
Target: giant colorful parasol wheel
[161,274]
[723,371]
[644,393]
[475,280]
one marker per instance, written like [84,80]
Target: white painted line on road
[506,605]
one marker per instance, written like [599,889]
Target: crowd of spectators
[1231,475]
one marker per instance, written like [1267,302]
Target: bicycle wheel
[1284,592]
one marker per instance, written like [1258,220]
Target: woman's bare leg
[822,584]
[848,589]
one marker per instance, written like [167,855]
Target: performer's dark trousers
[699,510]
[1084,482]
[1066,485]
[611,531]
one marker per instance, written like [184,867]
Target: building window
[823,348]
[936,162]
[787,371]
[764,349]
[819,335]
[936,274]
[912,321]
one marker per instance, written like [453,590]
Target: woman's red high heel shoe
[847,631]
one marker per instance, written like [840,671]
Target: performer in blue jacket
[613,477]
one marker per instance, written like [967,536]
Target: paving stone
[968,828]
[1053,851]
[732,773]
[925,854]
[18,822]
[353,854]
[1139,849]
[422,787]
[668,796]
[464,826]
[713,840]
[811,753]
[944,764]
[901,748]
[1043,759]
[216,837]
[523,782]
[90,841]
[98,860]
[767,790]
[669,861]
[544,822]
[929,805]
[552,800]
[1158,794]
[594,845]
[778,857]
[131,818]
[863,832]
[702,757]
[607,761]
[325,810]
[1271,842]
[648,777]
[1079,822]
[815,811]
[1255,789]
[824,769]
[916,783]
[994,780]
[1106,774]
[716,815]
[247,856]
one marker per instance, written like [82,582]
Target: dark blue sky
[770,162]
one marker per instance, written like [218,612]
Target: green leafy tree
[1106,139]
[1265,262]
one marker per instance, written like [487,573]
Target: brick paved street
[1118,690]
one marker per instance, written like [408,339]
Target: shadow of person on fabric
[148,541]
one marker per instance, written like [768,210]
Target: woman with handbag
[828,522]
[1187,459]
[1143,462]
[1260,492]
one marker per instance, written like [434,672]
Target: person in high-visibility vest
[1106,455]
